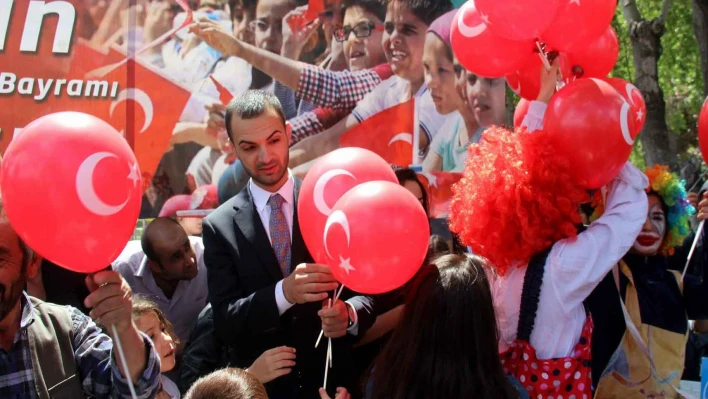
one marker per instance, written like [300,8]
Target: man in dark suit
[263,287]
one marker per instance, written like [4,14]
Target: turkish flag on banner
[388,133]
[439,188]
[86,58]
[146,110]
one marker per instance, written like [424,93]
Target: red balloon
[526,82]
[480,51]
[376,237]
[72,190]
[578,22]
[596,59]
[518,19]
[592,125]
[703,130]
[522,108]
[331,177]
[635,99]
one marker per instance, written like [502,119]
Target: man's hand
[216,36]
[309,283]
[335,319]
[273,363]
[703,207]
[110,301]
[341,394]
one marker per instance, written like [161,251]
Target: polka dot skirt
[561,378]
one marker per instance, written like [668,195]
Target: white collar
[261,196]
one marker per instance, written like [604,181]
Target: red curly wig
[516,198]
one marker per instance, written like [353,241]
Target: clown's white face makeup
[652,236]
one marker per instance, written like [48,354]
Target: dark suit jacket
[242,272]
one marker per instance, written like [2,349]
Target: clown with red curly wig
[517,206]
[658,301]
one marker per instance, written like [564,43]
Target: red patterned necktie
[279,232]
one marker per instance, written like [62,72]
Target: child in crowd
[403,40]
[232,383]
[335,93]
[473,102]
[152,321]
[446,345]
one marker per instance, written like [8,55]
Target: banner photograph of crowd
[456,199]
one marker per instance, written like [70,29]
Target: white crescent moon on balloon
[141,98]
[407,137]
[318,192]
[337,217]
[630,88]
[624,125]
[466,30]
[86,191]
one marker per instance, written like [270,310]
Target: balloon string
[699,233]
[329,351]
[121,355]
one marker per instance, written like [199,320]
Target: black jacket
[242,274]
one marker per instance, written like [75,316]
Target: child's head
[448,329]
[228,383]
[438,65]
[405,27]
[486,98]
[242,13]
[362,32]
[152,321]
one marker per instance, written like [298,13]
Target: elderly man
[167,266]
[49,350]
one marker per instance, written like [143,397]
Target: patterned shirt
[339,89]
[93,351]
[336,93]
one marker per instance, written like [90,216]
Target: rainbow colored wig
[672,191]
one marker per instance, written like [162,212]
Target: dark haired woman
[446,344]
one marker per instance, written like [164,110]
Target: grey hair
[252,104]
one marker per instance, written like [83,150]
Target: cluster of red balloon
[356,218]
[71,188]
[495,38]
[595,119]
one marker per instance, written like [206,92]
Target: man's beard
[9,300]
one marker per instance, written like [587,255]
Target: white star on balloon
[485,18]
[576,2]
[346,265]
[640,115]
[134,174]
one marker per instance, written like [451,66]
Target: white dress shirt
[260,200]
[574,266]
[189,298]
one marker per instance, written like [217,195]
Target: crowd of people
[584,293]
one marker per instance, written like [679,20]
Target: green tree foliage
[679,71]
